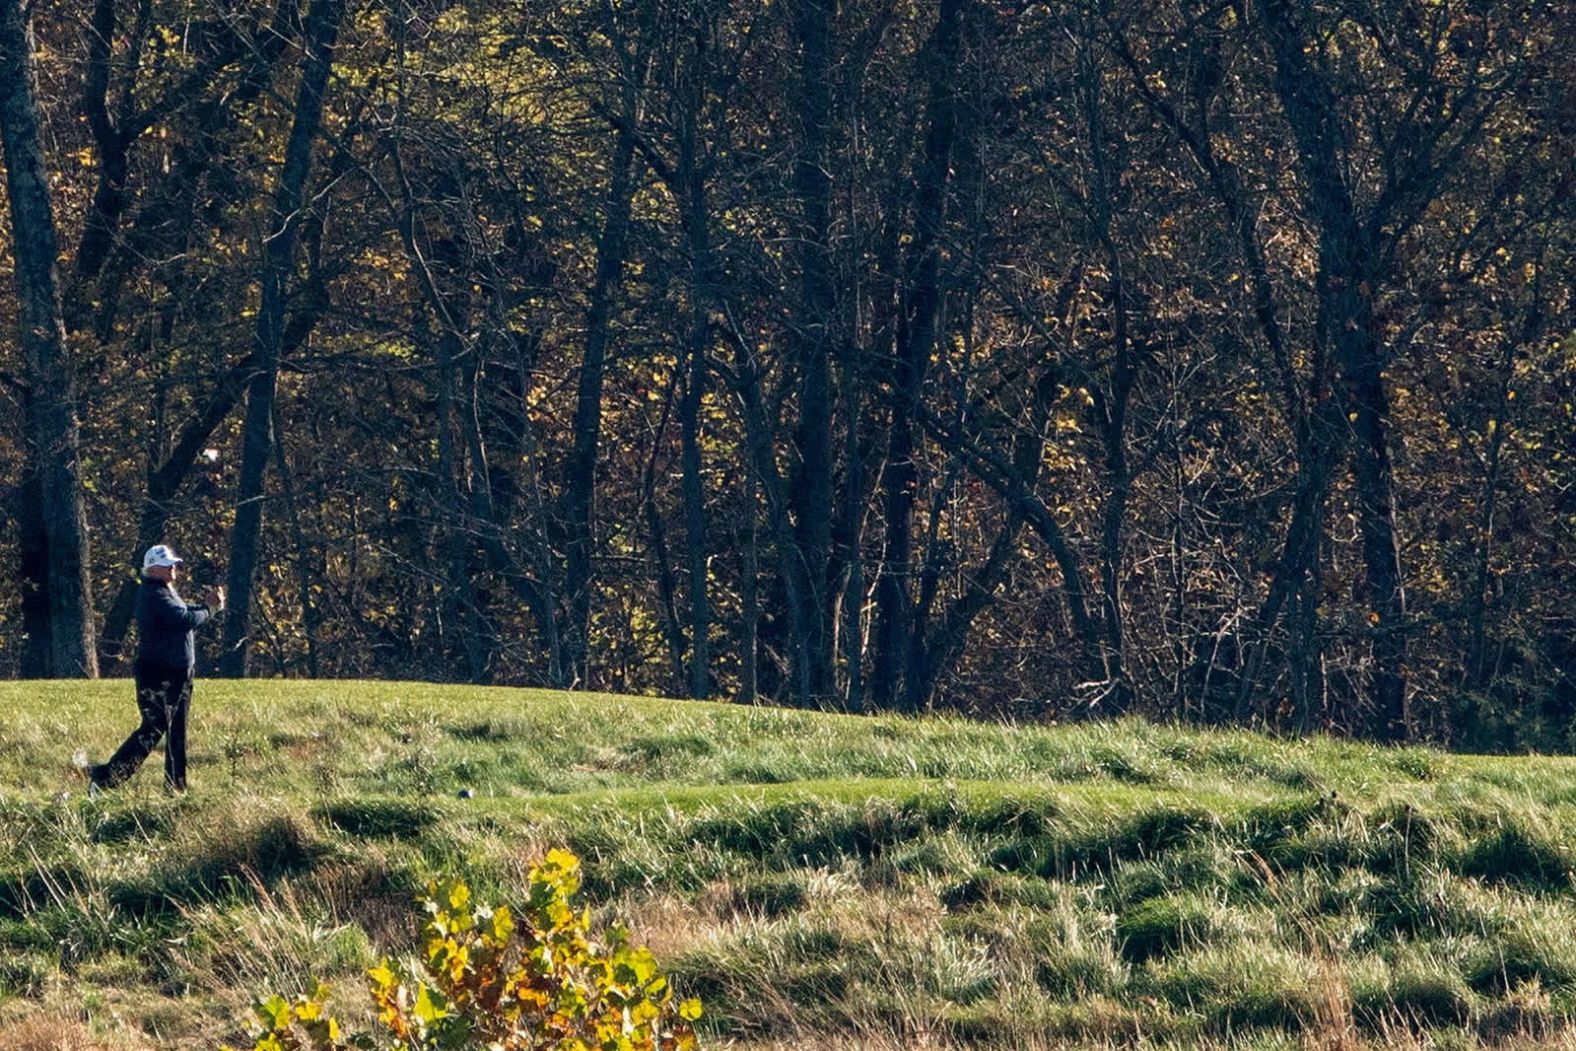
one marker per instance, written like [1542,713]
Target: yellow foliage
[504,979]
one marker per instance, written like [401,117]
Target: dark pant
[164,696]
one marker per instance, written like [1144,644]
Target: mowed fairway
[819,881]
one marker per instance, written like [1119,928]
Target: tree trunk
[940,552]
[916,337]
[580,467]
[322,29]
[458,604]
[1345,289]
[750,600]
[698,337]
[811,493]
[694,498]
[303,555]
[1307,653]
[853,594]
[52,437]
[1110,407]
[759,427]
[1381,550]
[113,143]
[1475,665]
[33,582]
[1298,572]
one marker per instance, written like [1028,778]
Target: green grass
[821,881]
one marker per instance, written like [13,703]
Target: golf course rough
[814,880]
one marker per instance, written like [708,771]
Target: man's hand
[215,598]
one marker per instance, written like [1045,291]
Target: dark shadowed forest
[1211,360]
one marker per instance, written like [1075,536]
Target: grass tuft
[1514,854]
[379,818]
[1159,926]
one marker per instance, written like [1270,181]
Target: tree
[50,509]
[322,28]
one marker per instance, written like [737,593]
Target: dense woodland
[1207,359]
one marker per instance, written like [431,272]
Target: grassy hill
[819,881]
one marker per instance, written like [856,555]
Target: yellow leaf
[503,923]
[382,977]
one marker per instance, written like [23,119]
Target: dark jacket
[165,624]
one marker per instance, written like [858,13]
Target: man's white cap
[160,555]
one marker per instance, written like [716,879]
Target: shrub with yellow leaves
[490,978]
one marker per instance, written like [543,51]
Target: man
[166,660]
